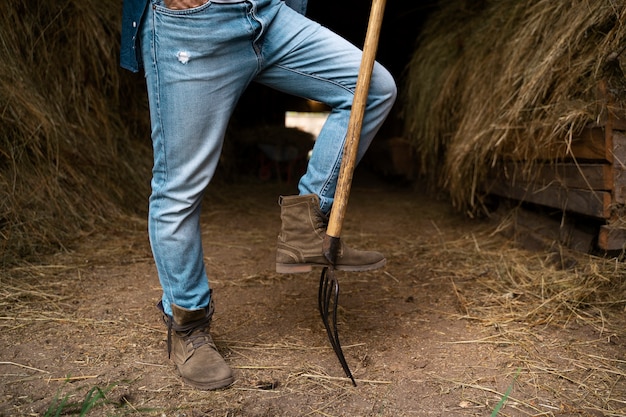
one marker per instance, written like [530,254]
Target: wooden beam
[590,203]
[610,238]
[568,175]
[591,144]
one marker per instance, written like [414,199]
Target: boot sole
[224,383]
[308,267]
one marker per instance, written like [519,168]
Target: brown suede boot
[191,348]
[301,237]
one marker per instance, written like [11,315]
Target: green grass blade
[506,395]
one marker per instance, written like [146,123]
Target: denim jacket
[132,12]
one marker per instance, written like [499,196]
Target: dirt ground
[83,327]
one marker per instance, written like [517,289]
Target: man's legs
[198,61]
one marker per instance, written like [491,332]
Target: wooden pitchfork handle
[329,286]
[355,123]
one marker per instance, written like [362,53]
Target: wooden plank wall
[591,182]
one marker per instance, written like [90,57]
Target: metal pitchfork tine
[329,291]
[329,286]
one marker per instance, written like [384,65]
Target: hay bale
[508,79]
[70,161]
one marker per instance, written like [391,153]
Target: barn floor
[429,335]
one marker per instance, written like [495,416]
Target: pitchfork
[329,286]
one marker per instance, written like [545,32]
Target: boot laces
[321,220]
[198,337]
[196,332]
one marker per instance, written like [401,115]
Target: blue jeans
[198,62]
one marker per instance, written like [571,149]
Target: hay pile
[496,79]
[74,149]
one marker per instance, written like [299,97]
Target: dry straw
[72,154]
[496,79]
